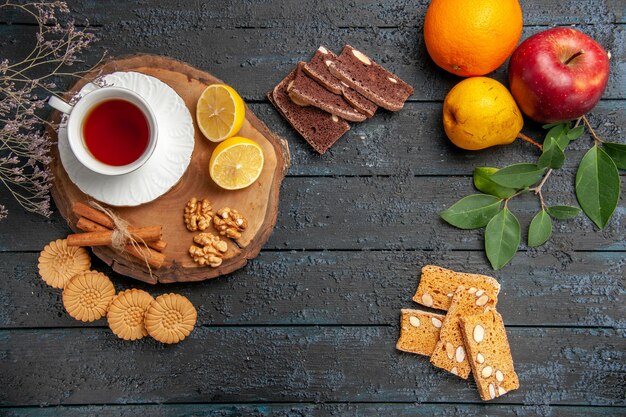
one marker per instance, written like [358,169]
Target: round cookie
[58,263]
[126,314]
[87,296]
[170,318]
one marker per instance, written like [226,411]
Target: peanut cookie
[58,263]
[127,312]
[170,318]
[87,296]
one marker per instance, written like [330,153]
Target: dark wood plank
[352,288]
[24,231]
[398,212]
[413,141]
[315,410]
[252,45]
[255,60]
[278,14]
[301,364]
[402,213]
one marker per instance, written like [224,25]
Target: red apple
[558,75]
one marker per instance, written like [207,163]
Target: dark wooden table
[309,327]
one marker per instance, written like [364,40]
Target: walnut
[211,252]
[198,215]
[229,222]
[206,239]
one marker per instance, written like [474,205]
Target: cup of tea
[111,130]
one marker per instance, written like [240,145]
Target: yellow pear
[479,112]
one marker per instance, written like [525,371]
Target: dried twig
[24,87]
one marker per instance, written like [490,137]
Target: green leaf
[563,212]
[472,212]
[552,156]
[483,182]
[597,186]
[559,133]
[562,139]
[518,175]
[617,152]
[502,238]
[556,129]
[575,133]
[540,229]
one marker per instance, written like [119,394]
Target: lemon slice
[220,112]
[236,163]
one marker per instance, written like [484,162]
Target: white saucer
[168,162]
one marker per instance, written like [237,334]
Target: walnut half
[211,251]
[198,214]
[230,223]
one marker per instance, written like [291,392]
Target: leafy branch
[597,191]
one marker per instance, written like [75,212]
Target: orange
[472,37]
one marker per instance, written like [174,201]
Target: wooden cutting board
[258,203]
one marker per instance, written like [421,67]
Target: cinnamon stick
[155,259]
[158,244]
[83,210]
[105,237]
[87,225]
[90,213]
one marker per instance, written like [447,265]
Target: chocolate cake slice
[320,129]
[304,89]
[358,101]
[370,79]
[317,68]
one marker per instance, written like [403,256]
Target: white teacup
[79,111]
